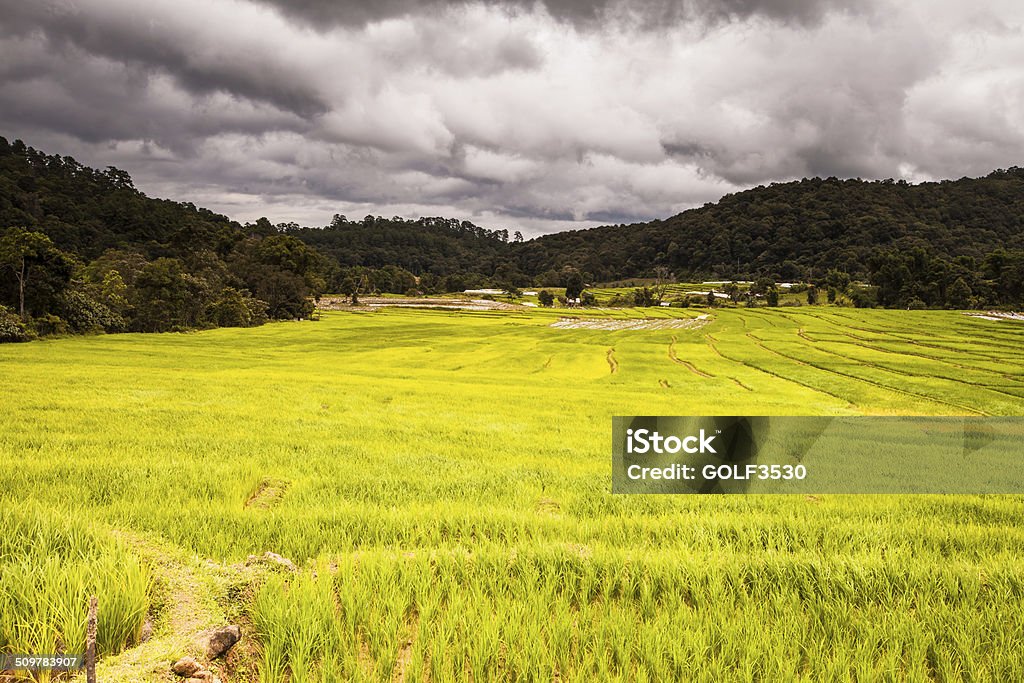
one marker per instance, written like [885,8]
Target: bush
[235,308]
[258,311]
[11,327]
[49,324]
[82,313]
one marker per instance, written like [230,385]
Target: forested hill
[87,211]
[800,230]
[82,249]
[440,246]
[796,230]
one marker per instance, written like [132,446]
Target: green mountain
[103,255]
[800,230]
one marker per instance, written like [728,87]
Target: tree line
[83,250]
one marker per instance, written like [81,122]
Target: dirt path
[685,363]
[189,595]
[612,363]
[334,303]
[620,324]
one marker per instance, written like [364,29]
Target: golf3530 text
[714,472]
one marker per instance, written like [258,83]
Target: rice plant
[443,481]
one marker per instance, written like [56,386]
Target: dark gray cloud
[325,13]
[127,33]
[519,114]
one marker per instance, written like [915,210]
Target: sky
[533,116]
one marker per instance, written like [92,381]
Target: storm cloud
[525,115]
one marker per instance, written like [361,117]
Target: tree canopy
[82,249]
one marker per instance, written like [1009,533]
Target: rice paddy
[442,481]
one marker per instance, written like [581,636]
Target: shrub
[235,308]
[49,324]
[258,310]
[866,297]
[11,327]
[83,313]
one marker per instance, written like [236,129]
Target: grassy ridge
[446,477]
[49,565]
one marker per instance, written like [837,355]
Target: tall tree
[32,256]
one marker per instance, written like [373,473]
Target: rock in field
[283,562]
[272,559]
[222,640]
[186,666]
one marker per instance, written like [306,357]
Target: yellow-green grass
[50,564]
[444,478]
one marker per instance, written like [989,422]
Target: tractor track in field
[873,383]
[776,375]
[712,343]
[999,342]
[864,343]
[764,316]
[758,343]
[903,373]
[612,363]
[685,363]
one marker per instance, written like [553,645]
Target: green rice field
[441,480]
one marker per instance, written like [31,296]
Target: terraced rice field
[442,481]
